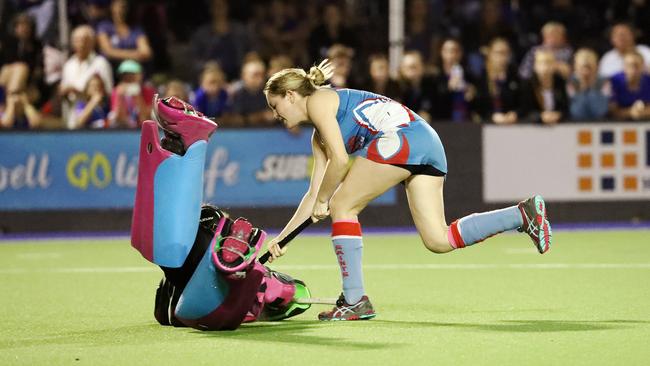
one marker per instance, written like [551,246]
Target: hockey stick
[316,300]
[282,243]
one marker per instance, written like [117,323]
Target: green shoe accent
[292,308]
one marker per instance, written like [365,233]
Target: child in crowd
[211,98]
[176,88]
[92,109]
[588,93]
[131,99]
[543,96]
[453,89]
[417,90]
[497,89]
[379,80]
[631,89]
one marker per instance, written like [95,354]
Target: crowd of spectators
[481,61]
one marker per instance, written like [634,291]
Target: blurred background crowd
[467,61]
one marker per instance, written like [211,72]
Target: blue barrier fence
[98,169]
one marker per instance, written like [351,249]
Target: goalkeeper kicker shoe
[180,120]
[536,225]
[235,246]
[362,310]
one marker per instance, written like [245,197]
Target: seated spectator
[553,40]
[249,105]
[622,39]
[277,63]
[20,113]
[176,88]
[20,56]
[131,100]
[119,40]
[497,89]
[80,68]
[379,80]
[588,94]
[222,40]
[417,90]
[91,109]
[341,58]
[543,96]
[211,98]
[631,90]
[453,90]
[85,63]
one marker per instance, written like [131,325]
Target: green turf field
[586,302]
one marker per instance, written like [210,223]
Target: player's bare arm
[321,109]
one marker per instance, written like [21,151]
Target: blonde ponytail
[318,75]
[298,80]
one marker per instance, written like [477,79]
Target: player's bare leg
[427,208]
[365,181]
[425,198]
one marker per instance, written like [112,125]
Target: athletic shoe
[167,296]
[536,225]
[181,120]
[362,310]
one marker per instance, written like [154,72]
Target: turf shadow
[525,326]
[543,326]
[294,332]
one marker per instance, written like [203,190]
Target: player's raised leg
[427,208]
[365,181]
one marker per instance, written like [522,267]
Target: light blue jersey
[385,131]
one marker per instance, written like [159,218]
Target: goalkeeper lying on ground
[212,279]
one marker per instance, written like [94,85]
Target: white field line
[420,266]
[327,267]
[56,239]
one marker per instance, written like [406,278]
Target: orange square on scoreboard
[630,183]
[585,184]
[607,160]
[584,137]
[629,137]
[629,160]
[584,161]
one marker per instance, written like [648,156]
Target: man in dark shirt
[249,106]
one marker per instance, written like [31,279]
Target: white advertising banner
[573,162]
